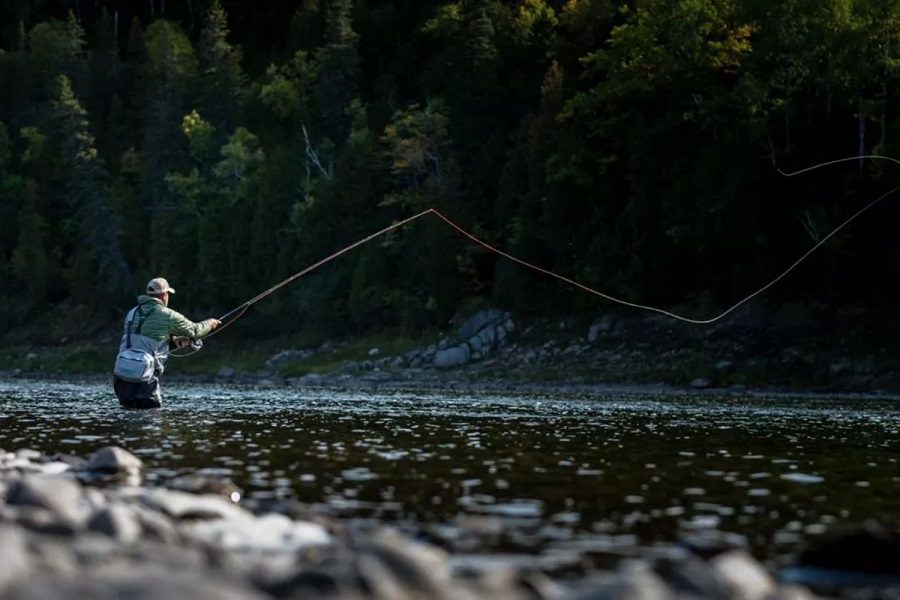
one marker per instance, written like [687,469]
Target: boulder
[480,320]
[138,582]
[285,357]
[475,342]
[57,587]
[15,560]
[206,484]
[181,505]
[114,461]
[155,525]
[118,522]
[604,325]
[741,576]
[270,533]
[394,566]
[58,496]
[452,357]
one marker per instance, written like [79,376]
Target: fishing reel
[196,344]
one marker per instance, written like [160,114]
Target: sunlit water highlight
[626,468]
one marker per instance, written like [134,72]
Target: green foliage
[55,48]
[95,248]
[221,76]
[627,145]
[32,262]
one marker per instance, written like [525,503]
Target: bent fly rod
[237,312]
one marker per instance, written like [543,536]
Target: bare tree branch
[313,156]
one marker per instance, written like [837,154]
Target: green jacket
[160,324]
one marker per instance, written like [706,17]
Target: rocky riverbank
[790,348]
[87,527]
[799,347]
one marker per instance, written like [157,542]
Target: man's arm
[179,325]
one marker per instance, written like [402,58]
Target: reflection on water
[627,468]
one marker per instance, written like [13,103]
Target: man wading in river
[151,328]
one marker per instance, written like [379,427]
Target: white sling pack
[133,364]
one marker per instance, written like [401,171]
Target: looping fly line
[239,311]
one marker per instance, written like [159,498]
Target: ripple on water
[802,478]
[625,463]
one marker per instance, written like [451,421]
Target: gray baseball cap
[159,285]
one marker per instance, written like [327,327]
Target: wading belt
[137,311]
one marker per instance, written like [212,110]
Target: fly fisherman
[151,328]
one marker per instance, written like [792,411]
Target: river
[617,472]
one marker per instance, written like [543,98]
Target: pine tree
[338,70]
[306,29]
[95,242]
[168,74]
[221,77]
[32,262]
[56,48]
[10,192]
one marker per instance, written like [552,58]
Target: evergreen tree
[221,77]
[167,76]
[10,193]
[338,70]
[32,261]
[56,48]
[95,243]
[306,29]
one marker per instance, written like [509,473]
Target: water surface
[596,471]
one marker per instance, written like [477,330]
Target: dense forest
[634,146]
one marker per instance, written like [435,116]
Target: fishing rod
[237,312]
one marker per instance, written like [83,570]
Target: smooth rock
[282,358]
[480,320]
[205,484]
[58,587]
[452,357]
[112,460]
[116,521]
[60,496]
[141,583]
[270,533]
[155,525]
[181,505]
[394,566]
[43,520]
[633,581]
[14,562]
[742,576]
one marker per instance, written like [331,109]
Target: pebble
[137,542]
